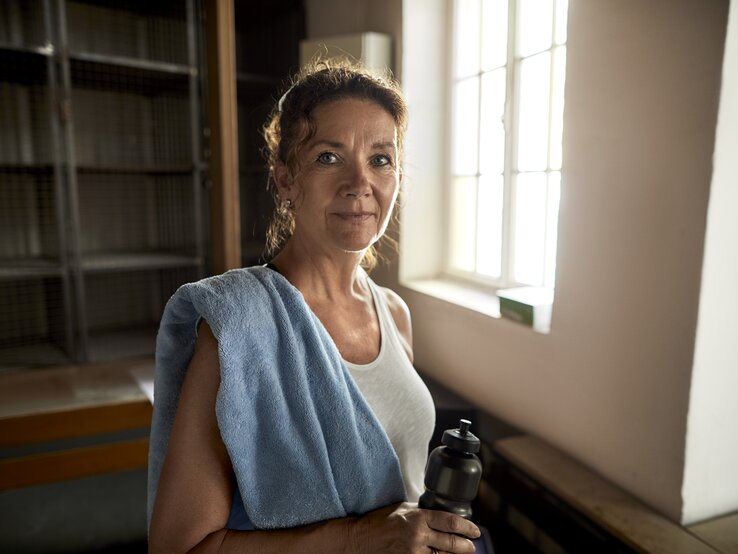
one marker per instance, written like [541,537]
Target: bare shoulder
[401,314]
[206,338]
[396,304]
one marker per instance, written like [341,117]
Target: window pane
[557,106]
[535,25]
[492,133]
[494,37]
[562,9]
[532,142]
[463,223]
[466,38]
[554,194]
[489,226]
[530,228]
[466,127]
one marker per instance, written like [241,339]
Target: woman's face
[348,179]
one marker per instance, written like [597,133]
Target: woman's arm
[196,483]
[196,487]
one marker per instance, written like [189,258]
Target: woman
[298,423]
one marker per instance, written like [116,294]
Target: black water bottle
[453,473]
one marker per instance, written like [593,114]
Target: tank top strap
[386,319]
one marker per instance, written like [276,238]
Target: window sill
[466,295]
[477,299]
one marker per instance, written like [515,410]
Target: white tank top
[398,397]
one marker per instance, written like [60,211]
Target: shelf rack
[101,174]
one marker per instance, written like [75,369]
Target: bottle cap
[461,439]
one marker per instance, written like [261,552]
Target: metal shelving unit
[35,284]
[101,174]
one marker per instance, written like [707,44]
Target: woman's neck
[321,277]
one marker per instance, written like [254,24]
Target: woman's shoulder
[395,303]
[401,316]
[235,285]
[226,297]
[397,306]
[240,276]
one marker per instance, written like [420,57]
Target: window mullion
[511,122]
[479,140]
[448,124]
[551,96]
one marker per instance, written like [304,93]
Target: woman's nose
[358,184]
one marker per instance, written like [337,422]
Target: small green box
[530,306]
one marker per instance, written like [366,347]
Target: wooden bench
[71,422]
[632,522]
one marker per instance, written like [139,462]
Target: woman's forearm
[396,529]
[334,536]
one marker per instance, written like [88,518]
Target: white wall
[710,477]
[424,53]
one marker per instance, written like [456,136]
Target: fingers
[451,523]
[449,542]
[407,528]
[450,533]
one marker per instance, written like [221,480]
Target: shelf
[136,170]
[129,342]
[143,7]
[135,261]
[31,356]
[134,63]
[102,209]
[37,168]
[65,390]
[28,268]
[145,77]
[15,50]
[24,64]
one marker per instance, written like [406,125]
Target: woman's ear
[283,181]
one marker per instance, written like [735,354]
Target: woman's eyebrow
[329,143]
[333,144]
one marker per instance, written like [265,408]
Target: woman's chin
[355,242]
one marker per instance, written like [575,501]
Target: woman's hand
[406,529]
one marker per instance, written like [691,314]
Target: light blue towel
[304,444]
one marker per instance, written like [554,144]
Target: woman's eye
[327,158]
[381,160]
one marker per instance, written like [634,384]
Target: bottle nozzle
[461,439]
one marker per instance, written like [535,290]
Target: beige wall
[611,383]
[327,18]
[642,90]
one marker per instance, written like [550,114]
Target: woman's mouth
[355,217]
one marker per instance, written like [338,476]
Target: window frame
[511,132]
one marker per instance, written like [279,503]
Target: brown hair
[290,125]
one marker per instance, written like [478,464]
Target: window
[507,103]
